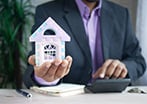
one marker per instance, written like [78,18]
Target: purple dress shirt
[92,28]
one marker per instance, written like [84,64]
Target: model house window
[50,52]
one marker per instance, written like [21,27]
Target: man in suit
[103,44]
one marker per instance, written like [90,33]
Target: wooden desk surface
[10,96]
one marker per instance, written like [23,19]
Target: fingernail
[57,63]
[64,64]
[102,75]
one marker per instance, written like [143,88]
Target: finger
[123,73]
[102,70]
[117,72]
[69,59]
[31,60]
[61,70]
[52,70]
[42,70]
[111,68]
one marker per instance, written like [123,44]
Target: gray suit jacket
[118,39]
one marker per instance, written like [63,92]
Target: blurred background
[16,20]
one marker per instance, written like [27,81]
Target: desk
[10,96]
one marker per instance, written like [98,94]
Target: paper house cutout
[49,41]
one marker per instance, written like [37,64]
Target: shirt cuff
[43,82]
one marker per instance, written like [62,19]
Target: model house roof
[49,29]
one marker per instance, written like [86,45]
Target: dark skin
[91,5]
[51,71]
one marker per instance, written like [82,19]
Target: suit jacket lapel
[76,24]
[77,27]
[106,29]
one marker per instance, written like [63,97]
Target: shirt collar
[84,10]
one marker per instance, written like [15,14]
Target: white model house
[49,41]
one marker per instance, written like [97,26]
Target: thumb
[31,60]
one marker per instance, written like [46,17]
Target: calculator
[107,85]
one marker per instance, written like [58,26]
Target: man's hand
[111,69]
[50,71]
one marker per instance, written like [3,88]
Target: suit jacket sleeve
[132,58]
